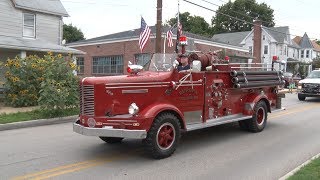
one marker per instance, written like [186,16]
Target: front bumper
[309,94]
[109,132]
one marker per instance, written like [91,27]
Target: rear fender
[152,111]
[252,100]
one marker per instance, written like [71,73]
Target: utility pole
[158,26]
[178,24]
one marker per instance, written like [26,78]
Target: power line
[237,11]
[255,14]
[238,18]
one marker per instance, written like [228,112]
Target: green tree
[193,24]
[246,10]
[72,33]
[318,42]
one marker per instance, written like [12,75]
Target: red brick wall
[128,49]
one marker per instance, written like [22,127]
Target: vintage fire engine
[159,104]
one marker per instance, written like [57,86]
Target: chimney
[257,41]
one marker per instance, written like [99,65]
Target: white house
[275,41]
[31,27]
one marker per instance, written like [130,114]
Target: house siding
[48,28]
[10,20]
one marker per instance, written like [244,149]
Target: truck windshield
[162,62]
[314,74]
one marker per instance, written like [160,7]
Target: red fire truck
[158,104]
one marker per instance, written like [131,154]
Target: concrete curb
[38,122]
[298,168]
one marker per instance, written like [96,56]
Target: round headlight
[133,109]
[91,122]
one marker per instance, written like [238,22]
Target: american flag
[169,37]
[144,34]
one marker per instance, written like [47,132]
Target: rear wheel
[111,140]
[163,136]
[301,97]
[259,118]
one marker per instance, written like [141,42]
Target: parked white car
[310,86]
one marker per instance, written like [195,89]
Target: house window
[286,50]
[263,37]
[294,51]
[29,24]
[142,59]
[80,65]
[108,65]
[265,49]
[307,53]
[302,53]
[250,50]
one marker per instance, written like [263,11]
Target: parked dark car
[288,76]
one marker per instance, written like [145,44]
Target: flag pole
[164,43]
[178,23]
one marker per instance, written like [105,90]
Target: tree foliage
[193,24]
[247,10]
[72,33]
[318,42]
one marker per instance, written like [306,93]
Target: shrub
[48,82]
[23,78]
[59,89]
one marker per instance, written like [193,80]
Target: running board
[217,121]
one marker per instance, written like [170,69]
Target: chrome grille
[87,100]
[311,88]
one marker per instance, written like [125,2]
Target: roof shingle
[46,6]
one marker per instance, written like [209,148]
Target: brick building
[109,55]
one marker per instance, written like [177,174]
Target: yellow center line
[78,168]
[55,169]
[294,111]
[74,167]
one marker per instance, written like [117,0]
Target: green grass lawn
[309,172]
[35,114]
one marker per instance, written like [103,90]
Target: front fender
[152,111]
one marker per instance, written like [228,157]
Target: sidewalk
[8,110]
[283,91]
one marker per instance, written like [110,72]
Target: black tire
[111,140]
[259,118]
[163,136]
[301,97]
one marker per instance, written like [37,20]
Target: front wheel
[301,97]
[163,136]
[111,140]
[259,118]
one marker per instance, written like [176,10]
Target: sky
[101,17]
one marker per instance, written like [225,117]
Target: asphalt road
[224,152]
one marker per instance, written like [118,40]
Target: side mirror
[196,66]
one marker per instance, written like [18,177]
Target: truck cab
[310,86]
[158,104]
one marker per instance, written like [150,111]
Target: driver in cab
[184,62]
